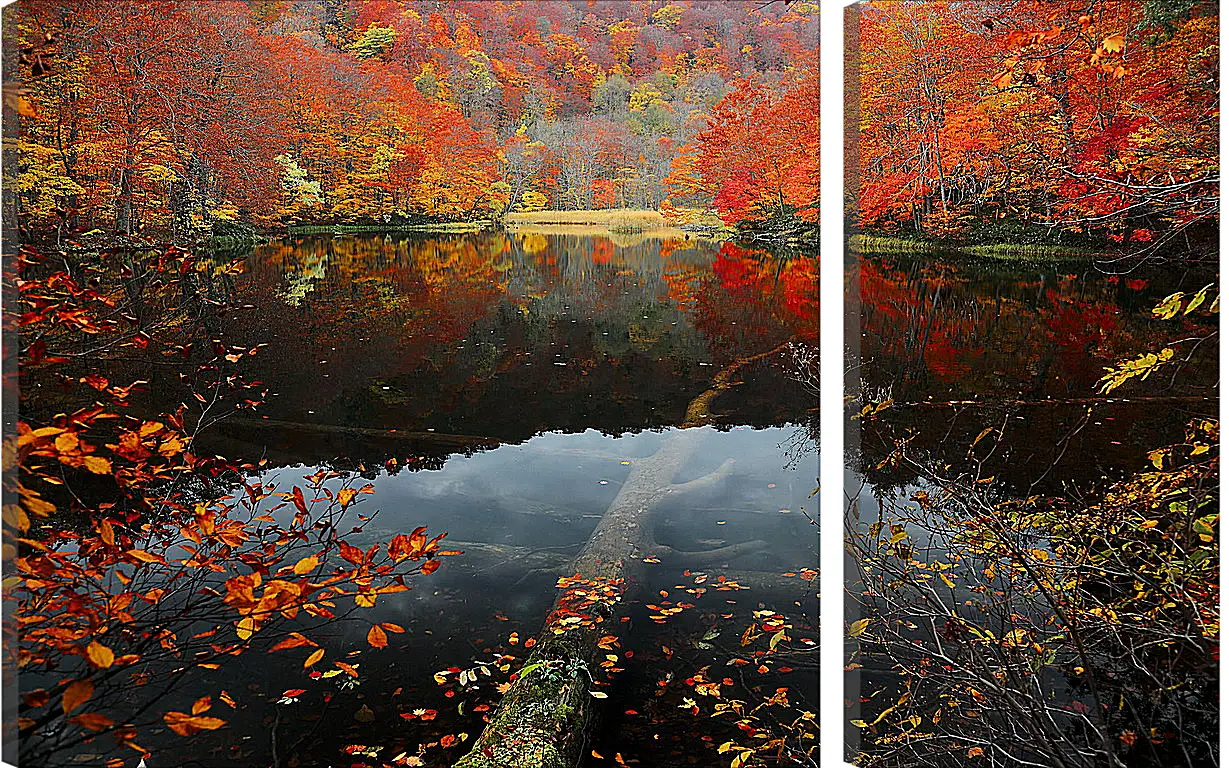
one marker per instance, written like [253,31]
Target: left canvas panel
[406,383]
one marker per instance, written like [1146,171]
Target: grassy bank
[888,245]
[620,220]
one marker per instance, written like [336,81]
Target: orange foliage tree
[1095,118]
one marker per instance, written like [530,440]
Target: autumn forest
[187,118]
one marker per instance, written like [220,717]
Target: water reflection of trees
[961,347]
[505,335]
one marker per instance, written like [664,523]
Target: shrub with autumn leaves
[1079,630]
[135,564]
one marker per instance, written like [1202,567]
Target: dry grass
[614,219]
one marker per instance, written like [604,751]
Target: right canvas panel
[1031,458]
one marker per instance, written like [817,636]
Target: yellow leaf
[317,655]
[16,517]
[858,627]
[99,655]
[345,496]
[1113,43]
[306,565]
[1015,637]
[247,627]
[97,464]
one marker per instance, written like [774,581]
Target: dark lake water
[497,386]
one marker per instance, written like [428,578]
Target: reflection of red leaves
[448,741]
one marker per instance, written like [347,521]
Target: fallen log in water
[544,719]
[506,564]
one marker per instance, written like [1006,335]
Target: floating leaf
[99,655]
[376,637]
[77,693]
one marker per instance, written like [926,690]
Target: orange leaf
[294,641]
[391,627]
[92,720]
[297,496]
[186,725]
[351,552]
[376,638]
[349,670]
[317,655]
[145,557]
[99,655]
[201,705]
[345,496]
[77,693]
[431,566]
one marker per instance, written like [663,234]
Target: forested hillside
[184,118]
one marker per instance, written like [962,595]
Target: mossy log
[545,718]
